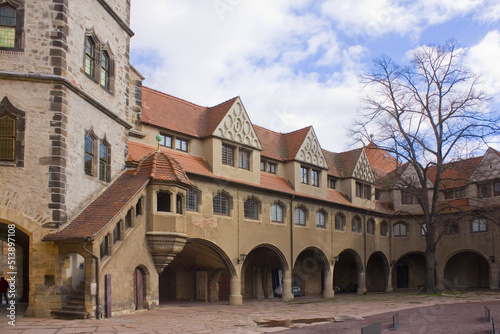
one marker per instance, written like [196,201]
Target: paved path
[254,315]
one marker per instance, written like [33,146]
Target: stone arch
[263,272]
[377,272]
[409,272]
[310,272]
[196,267]
[72,266]
[466,269]
[349,272]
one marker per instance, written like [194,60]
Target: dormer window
[227,155]
[407,197]
[181,145]
[332,183]
[243,159]
[363,190]
[304,175]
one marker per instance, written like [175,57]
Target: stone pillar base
[236,300]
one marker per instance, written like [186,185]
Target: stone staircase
[74,306]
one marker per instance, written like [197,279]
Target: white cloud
[484,58]
[289,60]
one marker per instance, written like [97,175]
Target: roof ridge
[174,97]
[228,100]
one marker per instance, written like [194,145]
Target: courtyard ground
[459,312]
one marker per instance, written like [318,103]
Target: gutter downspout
[96,261]
[291,233]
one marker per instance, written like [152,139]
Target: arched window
[11,21]
[104,160]
[356,224]
[105,66]
[221,204]
[339,222]
[277,213]
[400,229]
[7,138]
[90,46]
[384,228]
[90,154]
[300,217]
[251,209]
[192,199]
[320,219]
[370,227]
[12,126]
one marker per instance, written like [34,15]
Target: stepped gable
[103,210]
[172,113]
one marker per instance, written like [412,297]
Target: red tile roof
[102,211]
[281,146]
[172,113]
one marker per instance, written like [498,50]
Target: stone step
[69,314]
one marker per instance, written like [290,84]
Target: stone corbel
[164,246]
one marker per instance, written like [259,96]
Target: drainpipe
[97,298]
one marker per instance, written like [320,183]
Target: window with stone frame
[339,222]
[165,140]
[332,182]
[12,125]
[11,26]
[179,204]
[271,168]
[400,229]
[384,228]
[163,201]
[251,209]
[227,155]
[138,207]
[484,190]
[117,232]
[104,249]
[300,217]
[454,193]
[479,225]
[221,204]
[243,159]
[104,160]
[363,190]
[304,175]
[98,61]
[370,226]
[90,155]
[181,145]
[407,197]
[276,213]
[315,177]
[320,219]
[356,224]
[129,219]
[452,228]
[192,199]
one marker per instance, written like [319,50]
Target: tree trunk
[430,265]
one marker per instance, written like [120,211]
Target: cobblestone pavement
[265,316]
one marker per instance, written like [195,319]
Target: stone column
[493,276]
[328,288]
[361,283]
[287,294]
[389,287]
[235,297]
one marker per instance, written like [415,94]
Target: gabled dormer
[305,166]
[485,180]
[232,148]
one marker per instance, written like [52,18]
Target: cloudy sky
[296,63]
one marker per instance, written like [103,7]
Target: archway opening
[139,288]
[345,275]
[377,272]
[73,272]
[199,267]
[466,270]
[262,274]
[308,277]
[409,272]
[20,255]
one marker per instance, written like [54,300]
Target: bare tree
[425,114]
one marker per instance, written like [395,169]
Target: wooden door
[139,288]
[224,287]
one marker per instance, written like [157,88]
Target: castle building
[123,197]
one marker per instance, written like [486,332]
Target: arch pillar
[287,294]
[494,276]
[361,283]
[328,286]
[235,297]
[440,282]
[388,287]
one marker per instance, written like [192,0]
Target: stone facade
[222,210]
